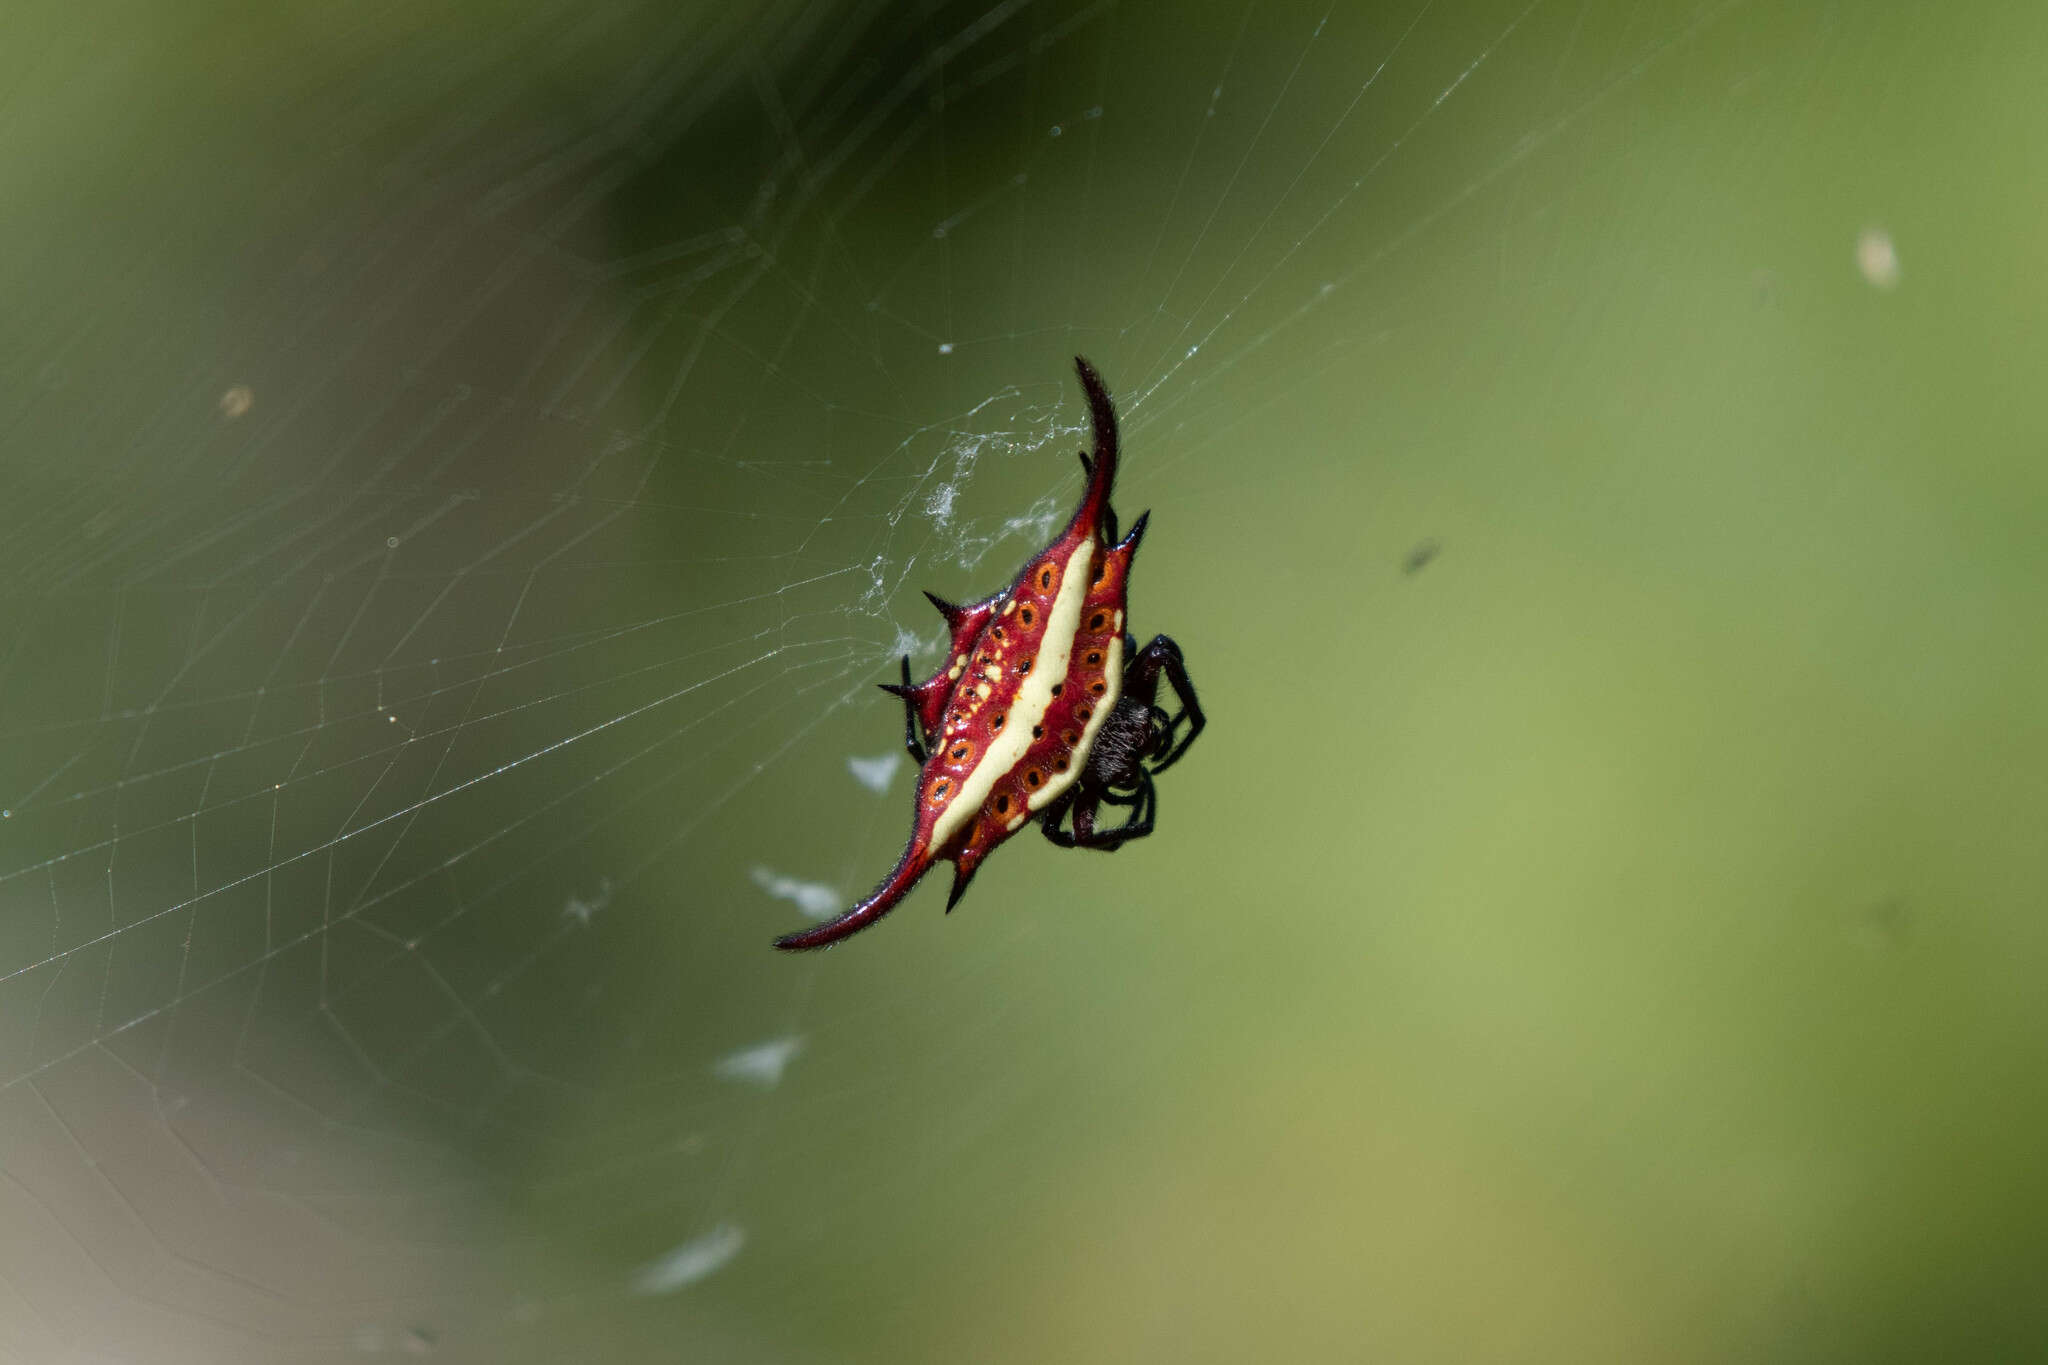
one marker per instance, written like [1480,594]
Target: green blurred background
[464,466]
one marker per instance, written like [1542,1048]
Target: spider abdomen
[1029,698]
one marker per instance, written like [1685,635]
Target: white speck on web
[815,899]
[1877,258]
[582,911]
[691,1261]
[761,1064]
[875,773]
[1036,523]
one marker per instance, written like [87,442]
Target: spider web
[465,474]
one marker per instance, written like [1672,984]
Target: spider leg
[1159,659]
[1049,819]
[1169,736]
[904,690]
[1107,840]
[1144,815]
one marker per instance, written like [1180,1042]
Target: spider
[1044,708]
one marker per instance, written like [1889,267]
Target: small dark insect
[1044,707]
[1419,556]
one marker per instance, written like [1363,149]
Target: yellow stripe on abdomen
[1113,675]
[1033,699]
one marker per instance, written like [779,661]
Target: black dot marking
[1003,805]
[1045,579]
[1094,656]
[999,632]
[996,724]
[1057,688]
[958,753]
[1023,667]
[1071,738]
[1060,764]
[1038,732]
[1026,616]
[1097,688]
[1082,713]
[1033,778]
[1098,620]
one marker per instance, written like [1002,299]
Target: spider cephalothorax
[1042,707]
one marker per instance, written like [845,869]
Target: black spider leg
[1160,659]
[1085,804]
[1049,819]
[1162,723]
[1144,803]
[911,740]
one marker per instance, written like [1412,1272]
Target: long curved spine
[1094,508]
[879,902]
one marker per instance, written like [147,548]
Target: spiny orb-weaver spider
[1043,707]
